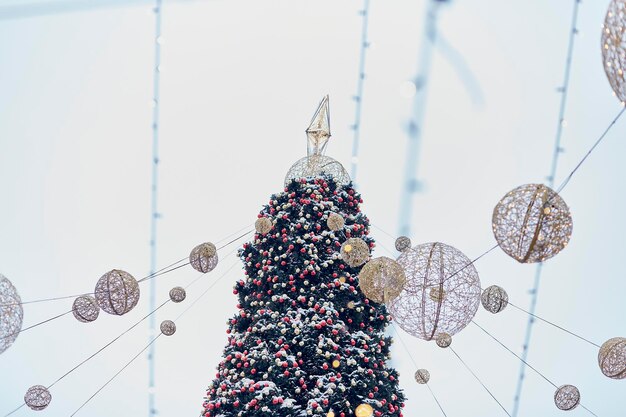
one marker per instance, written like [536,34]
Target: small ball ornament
[422,376]
[403,243]
[335,222]
[85,309]
[612,358]
[203,258]
[382,279]
[355,252]
[37,397]
[168,327]
[336,363]
[443,340]
[263,225]
[532,223]
[364,410]
[614,47]
[117,292]
[316,166]
[567,397]
[178,294]
[11,313]
[494,299]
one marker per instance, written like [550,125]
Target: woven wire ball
[168,327]
[382,279]
[403,243]
[441,294]
[335,222]
[85,309]
[203,258]
[532,223]
[318,166]
[263,225]
[613,47]
[567,397]
[443,340]
[494,299]
[355,252]
[612,358]
[178,294]
[117,292]
[422,376]
[37,397]
[11,313]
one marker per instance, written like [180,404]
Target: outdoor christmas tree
[305,340]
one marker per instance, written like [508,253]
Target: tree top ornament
[318,131]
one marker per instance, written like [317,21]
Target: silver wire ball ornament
[85,309]
[494,299]
[612,358]
[532,223]
[178,294]
[443,340]
[263,225]
[168,327]
[441,294]
[37,397]
[117,292]
[403,243]
[382,279]
[567,397]
[422,376]
[355,252]
[335,222]
[613,47]
[203,258]
[315,166]
[11,313]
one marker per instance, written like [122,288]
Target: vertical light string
[358,98]
[563,90]
[152,411]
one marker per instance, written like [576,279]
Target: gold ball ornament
[403,243]
[168,327]
[336,363]
[443,340]
[263,225]
[85,309]
[422,376]
[11,313]
[203,258]
[567,397]
[494,299]
[178,294]
[364,410]
[117,292]
[37,397]
[316,166]
[335,222]
[355,252]
[613,47]
[382,279]
[612,358]
[441,293]
[532,223]
[330,414]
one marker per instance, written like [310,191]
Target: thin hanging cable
[523,361]
[358,98]
[479,381]
[37,324]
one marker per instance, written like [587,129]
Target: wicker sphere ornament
[317,165]
[355,252]
[403,243]
[203,258]
[494,299]
[335,222]
[168,327]
[382,279]
[364,410]
[37,397]
[85,309]
[178,294]
[612,358]
[614,47]
[422,376]
[11,313]
[117,292]
[567,397]
[263,225]
[441,293]
[443,340]
[532,223]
